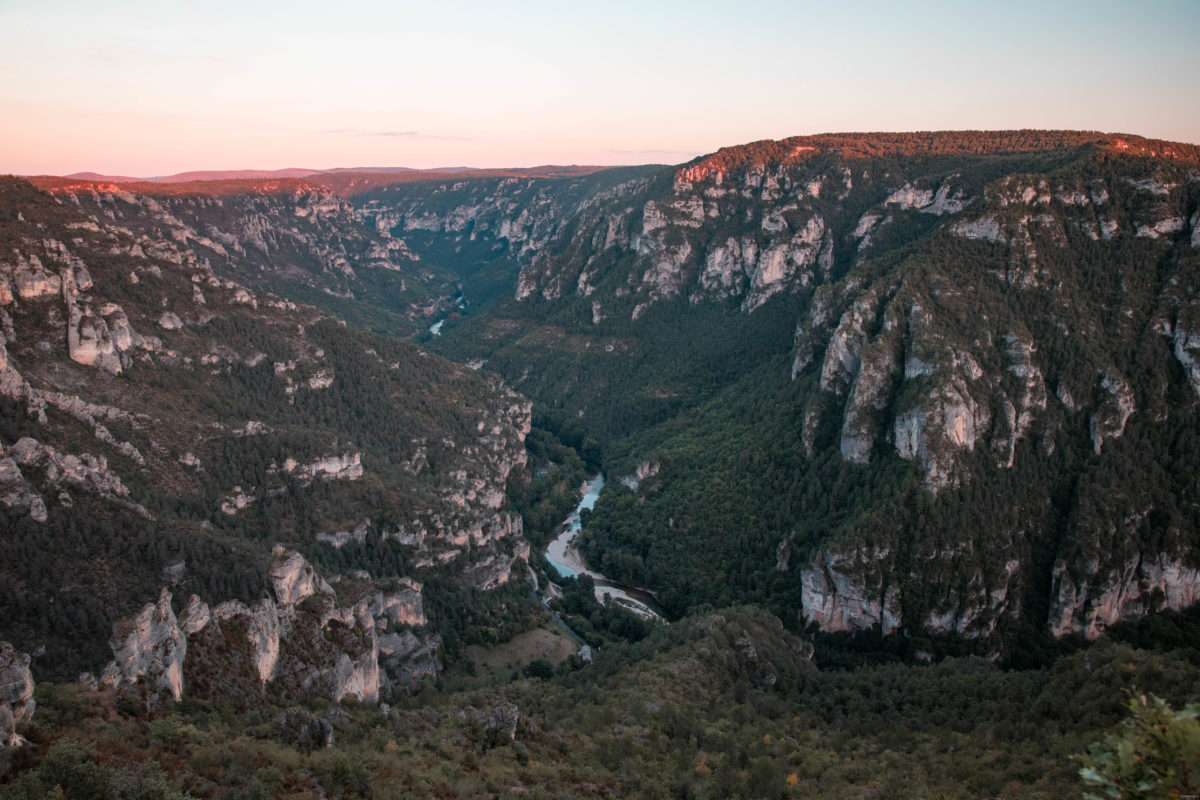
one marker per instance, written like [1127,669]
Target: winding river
[566,558]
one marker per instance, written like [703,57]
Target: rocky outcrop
[1086,599]
[845,591]
[643,471]
[294,579]
[149,646]
[869,396]
[401,606]
[1019,413]
[346,467]
[16,695]
[946,421]
[974,603]
[1187,353]
[300,644]
[18,493]
[408,658]
[85,471]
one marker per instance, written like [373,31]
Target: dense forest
[715,706]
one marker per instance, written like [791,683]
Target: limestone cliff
[296,643]
[16,695]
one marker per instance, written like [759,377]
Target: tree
[1154,754]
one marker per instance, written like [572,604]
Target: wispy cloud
[654,152]
[135,54]
[400,135]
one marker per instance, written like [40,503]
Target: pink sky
[152,88]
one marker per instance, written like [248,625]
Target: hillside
[284,235]
[716,706]
[901,430]
[934,383]
[163,426]
[938,384]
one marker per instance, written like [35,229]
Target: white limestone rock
[841,592]
[644,470]
[843,356]
[407,658]
[1162,227]
[987,228]
[908,196]
[150,645]
[263,629]
[235,502]
[943,423]
[170,321]
[16,695]
[971,609]
[85,471]
[195,616]
[18,493]
[339,539]
[346,467]
[294,579]
[869,396]
[400,606]
[1187,353]
[1086,600]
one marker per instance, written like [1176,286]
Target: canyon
[931,327]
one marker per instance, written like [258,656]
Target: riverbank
[565,557]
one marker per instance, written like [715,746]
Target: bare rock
[841,591]
[16,694]
[294,579]
[151,645]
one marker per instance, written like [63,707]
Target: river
[566,558]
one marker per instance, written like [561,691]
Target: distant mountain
[234,174]
[345,181]
[95,176]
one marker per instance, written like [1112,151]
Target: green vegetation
[1154,754]
[720,705]
[752,484]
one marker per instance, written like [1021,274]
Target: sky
[163,86]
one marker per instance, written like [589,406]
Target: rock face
[294,579]
[149,646]
[843,592]
[16,695]
[298,644]
[1089,600]
[676,250]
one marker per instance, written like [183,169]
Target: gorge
[875,409]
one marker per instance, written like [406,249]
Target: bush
[1154,754]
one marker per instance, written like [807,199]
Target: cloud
[140,54]
[654,152]
[401,135]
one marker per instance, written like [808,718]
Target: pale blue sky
[161,86]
